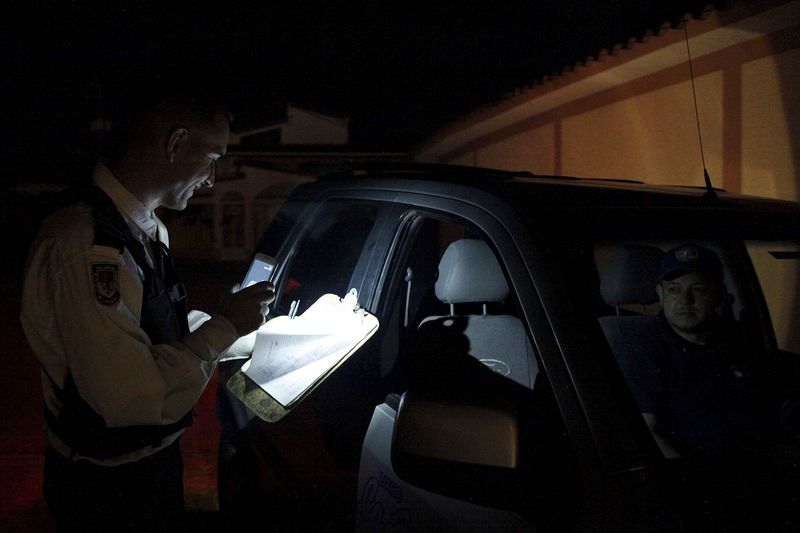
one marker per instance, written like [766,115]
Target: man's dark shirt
[709,399]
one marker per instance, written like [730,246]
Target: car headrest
[630,276]
[469,272]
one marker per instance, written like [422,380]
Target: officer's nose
[687,297]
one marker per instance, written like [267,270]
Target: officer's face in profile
[689,301]
[194,162]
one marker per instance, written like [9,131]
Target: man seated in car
[699,382]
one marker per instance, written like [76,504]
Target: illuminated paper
[293,355]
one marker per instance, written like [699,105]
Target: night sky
[399,70]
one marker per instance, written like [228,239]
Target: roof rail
[410,170]
[699,188]
[443,172]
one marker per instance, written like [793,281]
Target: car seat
[470,274]
[629,278]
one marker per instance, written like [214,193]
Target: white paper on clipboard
[293,355]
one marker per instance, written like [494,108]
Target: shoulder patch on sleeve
[106,282]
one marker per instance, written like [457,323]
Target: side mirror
[459,449]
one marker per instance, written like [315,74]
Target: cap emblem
[687,253]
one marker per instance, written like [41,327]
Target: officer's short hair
[157,94]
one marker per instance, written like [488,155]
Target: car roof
[524,189]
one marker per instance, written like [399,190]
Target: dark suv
[493,395]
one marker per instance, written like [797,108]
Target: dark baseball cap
[690,258]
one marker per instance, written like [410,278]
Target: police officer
[105,314]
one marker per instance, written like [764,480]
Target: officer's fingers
[258,288]
[269,296]
[260,292]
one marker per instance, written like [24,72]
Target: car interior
[627,284]
[453,292]
[627,281]
[453,305]
[469,273]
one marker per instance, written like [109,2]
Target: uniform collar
[129,206]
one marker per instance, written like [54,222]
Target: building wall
[530,150]
[307,127]
[298,127]
[630,114]
[637,136]
[770,129]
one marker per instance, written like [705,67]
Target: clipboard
[294,354]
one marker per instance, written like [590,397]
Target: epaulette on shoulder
[107,234]
[109,227]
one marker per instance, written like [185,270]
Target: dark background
[399,70]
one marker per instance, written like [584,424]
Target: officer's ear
[175,142]
[660,292]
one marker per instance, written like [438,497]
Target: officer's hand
[247,308]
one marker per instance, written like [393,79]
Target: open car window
[326,257]
[453,296]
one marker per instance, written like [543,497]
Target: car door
[300,472]
[443,362]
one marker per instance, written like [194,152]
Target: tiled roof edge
[620,53]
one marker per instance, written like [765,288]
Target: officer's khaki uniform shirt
[117,370]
